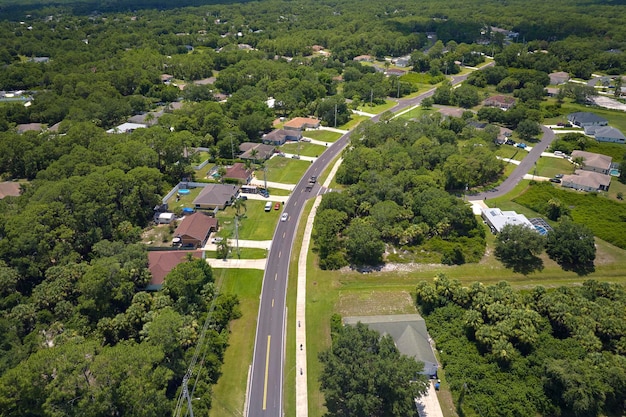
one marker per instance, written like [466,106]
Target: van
[268,206]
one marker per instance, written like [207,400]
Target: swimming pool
[614,172]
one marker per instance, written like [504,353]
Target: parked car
[284,217]
[556,180]
[510,142]
[295,156]
[521,145]
[277,206]
[217,240]
[305,140]
[558,176]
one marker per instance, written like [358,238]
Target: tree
[428,102]
[364,244]
[528,129]
[572,246]
[518,247]
[386,386]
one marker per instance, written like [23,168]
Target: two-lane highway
[264,397]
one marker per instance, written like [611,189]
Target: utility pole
[237,234]
[265,176]
[371,96]
[232,147]
[336,115]
[398,95]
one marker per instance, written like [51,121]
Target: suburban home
[583,119]
[216,196]
[148,119]
[166,78]
[609,134]
[560,77]
[239,173]
[301,123]
[278,137]
[409,334]
[363,58]
[504,135]
[10,189]
[403,61]
[256,151]
[500,101]
[127,127]
[587,181]
[194,230]
[552,92]
[160,263]
[396,72]
[496,219]
[29,127]
[594,162]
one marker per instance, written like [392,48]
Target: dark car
[556,180]
[558,176]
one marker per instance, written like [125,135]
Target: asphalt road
[522,169]
[266,381]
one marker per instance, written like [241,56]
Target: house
[552,92]
[148,119]
[216,196]
[280,136]
[583,119]
[256,151]
[503,135]
[160,263]
[239,173]
[560,77]
[409,334]
[609,134]
[594,162]
[395,72]
[166,78]
[301,123]
[10,189]
[496,219]
[403,61]
[363,58]
[587,181]
[500,101]
[29,127]
[194,230]
[127,127]
[40,59]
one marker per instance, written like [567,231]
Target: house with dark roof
[594,162]
[160,263]
[409,334]
[609,134]
[500,101]
[238,172]
[216,196]
[278,137]
[10,189]
[256,151]
[29,127]
[583,119]
[194,230]
[587,181]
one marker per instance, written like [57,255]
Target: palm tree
[221,171]
[254,153]
[238,205]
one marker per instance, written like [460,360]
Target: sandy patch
[608,103]
[370,303]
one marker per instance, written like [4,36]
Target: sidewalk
[301,157]
[271,184]
[272,197]
[302,401]
[237,263]
[260,244]
[332,129]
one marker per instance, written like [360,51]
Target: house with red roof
[194,230]
[160,263]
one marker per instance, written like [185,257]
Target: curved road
[522,169]
[264,396]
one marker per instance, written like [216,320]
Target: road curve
[264,396]
[525,166]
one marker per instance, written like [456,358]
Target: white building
[497,219]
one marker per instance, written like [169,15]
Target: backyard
[284,170]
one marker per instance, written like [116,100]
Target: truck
[311,183]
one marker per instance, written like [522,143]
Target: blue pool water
[184,191]
[614,172]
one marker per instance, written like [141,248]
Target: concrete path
[510,161]
[428,405]
[302,401]
[237,263]
[318,142]
[362,113]
[271,184]
[280,198]
[259,244]
[302,157]
[332,129]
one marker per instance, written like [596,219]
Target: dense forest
[537,352]
[79,335]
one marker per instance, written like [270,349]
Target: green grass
[354,121]
[511,152]
[184,200]
[284,170]
[322,135]
[614,150]
[616,187]
[303,148]
[416,113]
[257,224]
[549,167]
[377,108]
[229,392]
[615,117]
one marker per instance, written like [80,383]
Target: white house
[609,134]
[497,219]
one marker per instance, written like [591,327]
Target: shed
[164,218]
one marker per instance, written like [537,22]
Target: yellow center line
[267,363]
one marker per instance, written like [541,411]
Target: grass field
[511,152]
[615,117]
[284,170]
[354,121]
[303,148]
[378,108]
[229,393]
[549,167]
[256,224]
[322,135]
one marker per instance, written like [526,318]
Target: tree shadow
[526,266]
[580,269]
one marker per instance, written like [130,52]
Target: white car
[284,217]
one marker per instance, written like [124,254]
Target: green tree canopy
[518,247]
[572,246]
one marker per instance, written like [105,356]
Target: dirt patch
[608,103]
[376,303]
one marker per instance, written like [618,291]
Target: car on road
[556,180]
[283,217]
[313,178]
[277,206]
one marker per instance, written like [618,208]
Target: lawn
[377,108]
[284,170]
[549,167]
[615,117]
[354,120]
[230,390]
[245,253]
[511,152]
[616,187]
[322,135]
[256,224]
[416,113]
[303,148]
[183,200]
